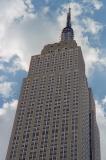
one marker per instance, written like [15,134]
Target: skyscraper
[55,118]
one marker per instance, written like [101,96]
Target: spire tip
[69,18]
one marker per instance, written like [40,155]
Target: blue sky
[25,27]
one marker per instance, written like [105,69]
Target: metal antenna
[69,15]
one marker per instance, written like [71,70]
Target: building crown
[68,33]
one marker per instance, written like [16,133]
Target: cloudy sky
[25,27]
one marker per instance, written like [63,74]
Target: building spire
[69,18]
[68,33]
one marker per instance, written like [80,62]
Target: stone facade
[55,118]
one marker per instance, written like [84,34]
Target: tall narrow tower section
[55,118]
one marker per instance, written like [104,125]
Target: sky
[25,27]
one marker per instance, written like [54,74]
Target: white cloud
[12,65]
[97,4]
[6,89]
[13,12]
[2,78]
[2,67]
[46,10]
[7,113]
[92,26]
[104,101]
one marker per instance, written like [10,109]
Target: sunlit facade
[55,118]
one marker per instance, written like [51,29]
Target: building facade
[55,118]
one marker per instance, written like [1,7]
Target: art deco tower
[55,118]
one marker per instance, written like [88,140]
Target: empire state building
[56,117]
